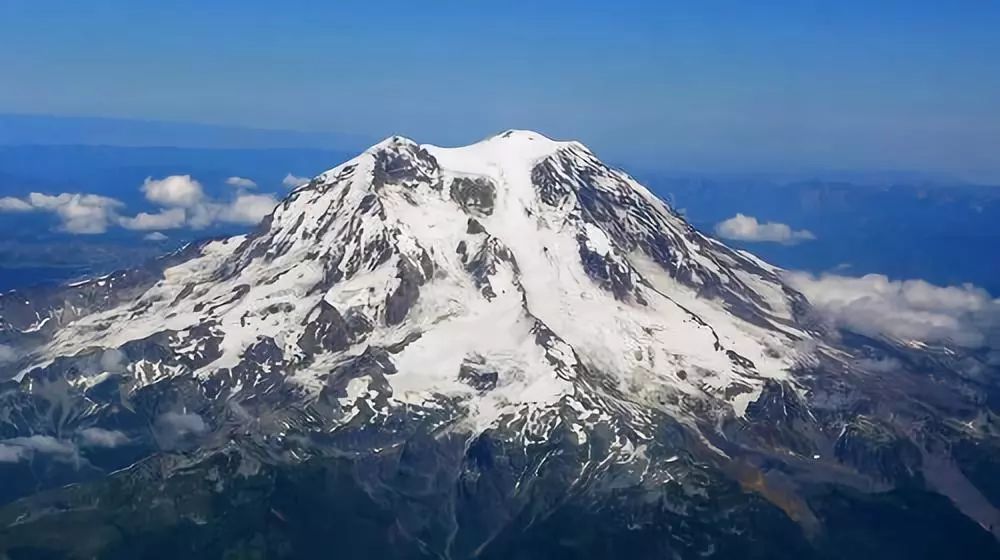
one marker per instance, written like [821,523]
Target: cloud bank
[165,219]
[180,199]
[907,310]
[78,213]
[746,228]
[23,448]
[11,204]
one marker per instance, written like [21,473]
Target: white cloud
[175,191]
[187,206]
[182,423]
[291,181]
[248,209]
[241,183]
[113,360]
[746,228]
[181,200]
[909,310]
[99,437]
[11,204]
[155,236]
[78,213]
[11,453]
[24,448]
[7,354]
[171,218]
[203,215]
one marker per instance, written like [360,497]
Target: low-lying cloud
[746,228]
[101,438]
[165,219]
[78,213]
[7,354]
[24,448]
[182,423]
[181,202]
[908,310]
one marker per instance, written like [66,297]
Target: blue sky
[701,85]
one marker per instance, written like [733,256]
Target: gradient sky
[701,85]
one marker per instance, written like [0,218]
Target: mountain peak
[393,142]
[498,318]
[519,234]
[521,135]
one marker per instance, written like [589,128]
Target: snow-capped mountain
[471,345]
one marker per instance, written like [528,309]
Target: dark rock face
[411,277]
[326,330]
[874,449]
[475,195]
[483,264]
[403,163]
[477,374]
[635,222]
[474,227]
[609,274]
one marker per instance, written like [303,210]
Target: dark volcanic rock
[475,195]
[326,330]
[477,374]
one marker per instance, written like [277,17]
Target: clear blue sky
[729,86]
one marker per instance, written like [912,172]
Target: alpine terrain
[503,350]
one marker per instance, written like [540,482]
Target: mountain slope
[472,341]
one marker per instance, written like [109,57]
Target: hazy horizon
[724,86]
[88,130]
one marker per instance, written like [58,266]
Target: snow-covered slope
[462,258]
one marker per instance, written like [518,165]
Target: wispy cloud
[171,218]
[182,423]
[23,448]
[746,228]
[11,453]
[908,310]
[11,204]
[7,354]
[99,437]
[241,183]
[291,181]
[173,428]
[248,209]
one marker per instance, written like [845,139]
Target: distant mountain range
[103,131]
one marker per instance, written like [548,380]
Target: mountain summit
[474,352]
